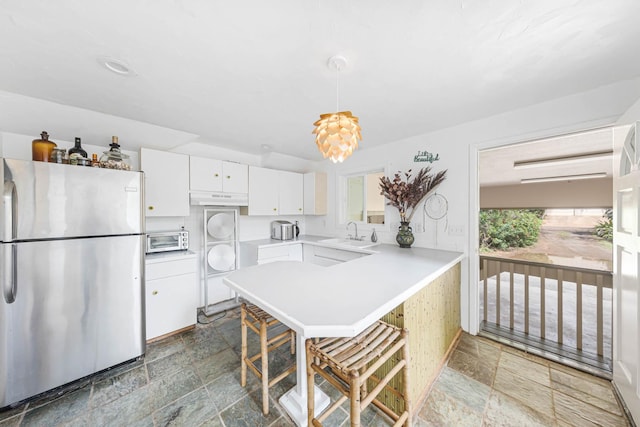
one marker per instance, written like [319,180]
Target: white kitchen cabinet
[213,175]
[275,192]
[291,188]
[166,182]
[315,193]
[289,252]
[171,298]
[263,191]
[235,177]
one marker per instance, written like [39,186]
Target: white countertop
[340,300]
[168,256]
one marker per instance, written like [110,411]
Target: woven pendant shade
[337,135]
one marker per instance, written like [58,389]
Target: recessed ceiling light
[116,66]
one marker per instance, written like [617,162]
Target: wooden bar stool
[260,322]
[353,361]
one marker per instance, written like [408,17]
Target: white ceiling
[241,74]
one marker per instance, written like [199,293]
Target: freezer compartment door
[78,309]
[49,200]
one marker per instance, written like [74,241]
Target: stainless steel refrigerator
[71,272]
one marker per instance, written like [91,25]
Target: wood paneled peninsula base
[416,288]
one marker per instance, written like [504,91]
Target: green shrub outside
[604,228]
[509,228]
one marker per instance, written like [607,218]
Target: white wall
[631,115]
[204,148]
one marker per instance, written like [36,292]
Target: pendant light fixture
[337,134]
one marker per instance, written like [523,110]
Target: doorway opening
[545,271]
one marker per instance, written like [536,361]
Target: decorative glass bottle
[41,149]
[114,158]
[77,149]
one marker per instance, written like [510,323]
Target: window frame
[342,217]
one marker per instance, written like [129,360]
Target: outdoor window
[362,201]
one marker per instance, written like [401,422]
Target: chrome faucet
[356,227]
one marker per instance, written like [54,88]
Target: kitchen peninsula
[415,288]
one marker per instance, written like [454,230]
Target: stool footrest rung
[354,361]
[384,383]
[257,320]
[284,374]
[325,414]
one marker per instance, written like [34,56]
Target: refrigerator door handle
[10,281]
[10,209]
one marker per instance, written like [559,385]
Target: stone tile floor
[193,379]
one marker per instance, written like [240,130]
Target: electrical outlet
[456,230]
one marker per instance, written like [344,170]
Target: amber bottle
[41,149]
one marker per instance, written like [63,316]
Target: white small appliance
[167,241]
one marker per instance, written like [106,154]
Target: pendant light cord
[337,88]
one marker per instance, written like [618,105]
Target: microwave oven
[166,241]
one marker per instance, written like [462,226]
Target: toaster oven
[166,241]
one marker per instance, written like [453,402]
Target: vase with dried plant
[405,193]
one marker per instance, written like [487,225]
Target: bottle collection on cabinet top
[44,150]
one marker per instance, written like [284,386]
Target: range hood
[219,198]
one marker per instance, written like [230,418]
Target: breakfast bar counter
[416,288]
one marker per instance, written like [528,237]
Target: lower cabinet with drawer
[290,252]
[171,293]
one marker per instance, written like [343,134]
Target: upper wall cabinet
[218,176]
[315,193]
[274,192]
[290,186]
[166,182]
[263,191]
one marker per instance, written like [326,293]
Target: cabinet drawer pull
[154,293]
[228,176]
[150,208]
[216,175]
[275,209]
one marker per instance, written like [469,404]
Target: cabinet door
[166,182]
[295,252]
[205,174]
[263,191]
[235,178]
[170,304]
[290,186]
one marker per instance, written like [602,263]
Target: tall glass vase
[405,235]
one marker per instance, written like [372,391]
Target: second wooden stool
[352,362]
[260,322]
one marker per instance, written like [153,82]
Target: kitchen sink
[349,242]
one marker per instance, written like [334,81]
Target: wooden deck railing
[524,314]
